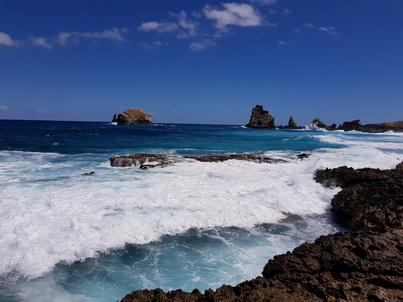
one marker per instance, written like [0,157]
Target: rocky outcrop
[360,266]
[261,118]
[292,124]
[132,116]
[145,161]
[371,199]
[372,128]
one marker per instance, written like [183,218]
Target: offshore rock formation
[145,161]
[360,266]
[373,128]
[132,116]
[261,118]
[292,124]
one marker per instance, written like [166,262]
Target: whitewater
[66,236]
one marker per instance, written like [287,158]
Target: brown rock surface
[145,161]
[132,116]
[261,118]
[371,199]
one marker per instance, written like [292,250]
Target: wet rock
[371,199]
[261,118]
[132,116]
[145,161]
[303,156]
[88,173]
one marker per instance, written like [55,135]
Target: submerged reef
[362,265]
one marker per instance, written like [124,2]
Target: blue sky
[194,61]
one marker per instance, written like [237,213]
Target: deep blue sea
[190,225]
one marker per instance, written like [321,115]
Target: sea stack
[261,118]
[292,124]
[132,116]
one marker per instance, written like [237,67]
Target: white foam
[75,217]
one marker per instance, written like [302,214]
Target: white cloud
[264,2]
[243,15]
[41,42]
[309,25]
[201,45]
[281,42]
[113,35]
[4,108]
[188,25]
[6,40]
[329,30]
[158,26]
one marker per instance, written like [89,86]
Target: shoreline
[361,264]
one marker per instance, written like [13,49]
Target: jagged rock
[360,266]
[292,124]
[371,199]
[303,156]
[145,161]
[88,173]
[317,122]
[353,125]
[132,116]
[261,118]
[372,128]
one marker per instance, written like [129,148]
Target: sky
[207,62]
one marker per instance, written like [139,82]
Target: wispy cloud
[243,15]
[113,35]
[328,30]
[202,45]
[183,28]
[4,108]
[264,2]
[6,40]
[41,42]
[309,25]
[161,27]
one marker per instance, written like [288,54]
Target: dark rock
[371,199]
[372,128]
[132,116]
[292,124]
[317,122]
[303,155]
[353,125]
[145,161]
[261,118]
[88,173]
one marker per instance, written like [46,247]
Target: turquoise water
[191,225]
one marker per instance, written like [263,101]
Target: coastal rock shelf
[365,265]
[145,161]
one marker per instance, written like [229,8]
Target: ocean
[65,236]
